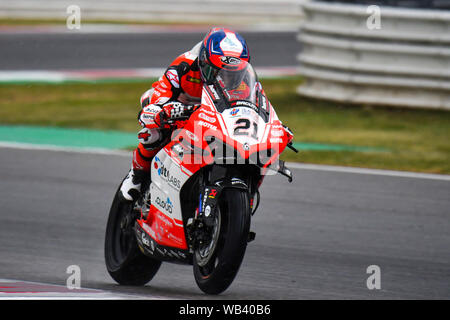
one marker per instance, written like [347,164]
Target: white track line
[47,147]
[28,290]
[292,165]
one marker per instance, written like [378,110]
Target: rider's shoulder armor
[181,81]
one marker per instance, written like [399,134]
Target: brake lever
[290,146]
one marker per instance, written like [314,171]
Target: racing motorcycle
[197,207]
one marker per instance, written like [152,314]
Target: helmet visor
[209,72]
[237,84]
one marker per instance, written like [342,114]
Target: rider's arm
[159,94]
[153,102]
[168,87]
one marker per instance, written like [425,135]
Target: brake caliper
[200,227]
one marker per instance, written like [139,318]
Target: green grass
[98,106]
[415,140]
[29,22]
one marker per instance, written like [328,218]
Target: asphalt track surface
[58,51]
[315,237]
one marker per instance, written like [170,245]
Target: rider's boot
[139,174]
[131,186]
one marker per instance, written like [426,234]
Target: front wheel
[126,264]
[214,271]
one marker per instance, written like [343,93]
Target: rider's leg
[150,142]
[140,171]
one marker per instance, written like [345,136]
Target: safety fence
[375,54]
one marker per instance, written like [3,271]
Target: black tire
[126,264]
[220,271]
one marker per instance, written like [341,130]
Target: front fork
[199,227]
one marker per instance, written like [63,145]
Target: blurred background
[362,83]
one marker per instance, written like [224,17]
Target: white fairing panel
[244,125]
[167,180]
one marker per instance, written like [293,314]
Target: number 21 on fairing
[242,127]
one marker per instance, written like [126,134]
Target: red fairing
[169,232]
[206,122]
[194,145]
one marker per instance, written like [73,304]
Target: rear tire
[126,264]
[218,274]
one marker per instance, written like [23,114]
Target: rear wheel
[126,264]
[216,264]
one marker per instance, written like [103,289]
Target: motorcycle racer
[175,96]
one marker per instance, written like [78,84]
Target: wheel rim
[122,235]
[206,256]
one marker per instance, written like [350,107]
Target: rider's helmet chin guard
[222,49]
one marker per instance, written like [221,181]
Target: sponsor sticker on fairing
[149,230]
[276,140]
[277,133]
[248,104]
[207,125]
[213,92]
[165,174]
[207,118]
[234,112]
[191,135]
[144,239]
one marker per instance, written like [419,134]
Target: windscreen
[239,88]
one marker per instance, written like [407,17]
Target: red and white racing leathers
[180,86]
[181,83]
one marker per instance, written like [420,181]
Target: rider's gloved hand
[174,111]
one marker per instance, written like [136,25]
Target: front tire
[218,274]
[126,264]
